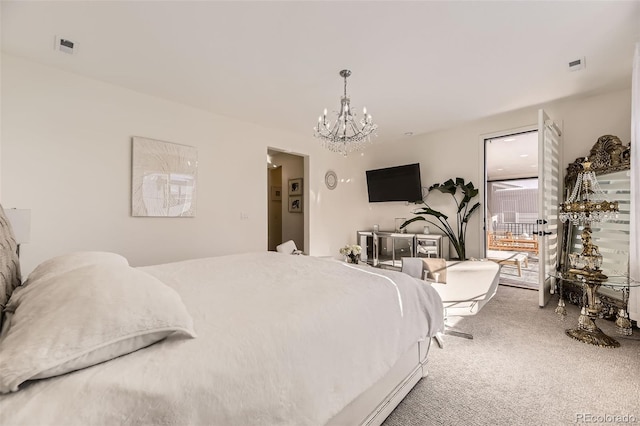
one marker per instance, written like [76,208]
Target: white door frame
[306,195]
[483,167]
[550,194]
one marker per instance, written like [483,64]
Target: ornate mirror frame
[608,155]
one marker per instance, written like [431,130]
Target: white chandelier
[587,202]
[345,134]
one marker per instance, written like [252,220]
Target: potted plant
[464,211]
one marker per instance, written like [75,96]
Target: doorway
[284,223]
[511,207]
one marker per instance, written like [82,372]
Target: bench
[516,260]
[509,242]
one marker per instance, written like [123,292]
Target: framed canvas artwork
[295,204]
[295,186]
[163,178]
[276,193]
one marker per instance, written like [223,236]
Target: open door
[549,139]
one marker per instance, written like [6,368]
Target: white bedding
[282,340]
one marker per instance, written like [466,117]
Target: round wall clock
[331,179]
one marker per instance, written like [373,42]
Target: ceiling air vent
[65,45]
[577,64]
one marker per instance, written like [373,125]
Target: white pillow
[70,261]
[71,320]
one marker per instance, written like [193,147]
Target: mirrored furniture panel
[366,240]
[610,160]
[430,245]
[386,249]
[392,247]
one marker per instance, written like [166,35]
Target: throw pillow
[71,320]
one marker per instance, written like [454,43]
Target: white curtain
[634,259]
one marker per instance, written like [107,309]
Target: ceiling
[512,156]
[417,66]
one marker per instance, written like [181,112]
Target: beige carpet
[521,369]
[528,277]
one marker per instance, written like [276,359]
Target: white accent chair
[288,247]
[470,285]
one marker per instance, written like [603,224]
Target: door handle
[543,233]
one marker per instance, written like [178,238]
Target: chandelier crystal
[587,202]
[346,133]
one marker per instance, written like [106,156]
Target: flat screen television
[400,183]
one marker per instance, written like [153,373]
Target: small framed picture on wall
[276,193]
[295,204]
[295,186]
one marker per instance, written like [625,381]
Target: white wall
[66,155]
[457,153]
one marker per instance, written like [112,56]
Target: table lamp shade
[20,220]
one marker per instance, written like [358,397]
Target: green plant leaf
[407,222]
[451,187]
[429,211]
[469,191]
[471,210]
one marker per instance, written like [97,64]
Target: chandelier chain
[345,86]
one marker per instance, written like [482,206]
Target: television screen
[401,183]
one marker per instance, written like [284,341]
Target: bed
[248,339]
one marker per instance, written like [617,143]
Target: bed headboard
[9,263]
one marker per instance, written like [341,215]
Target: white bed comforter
[282,340]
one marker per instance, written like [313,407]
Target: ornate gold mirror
[611,161]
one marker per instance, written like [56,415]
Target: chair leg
[451,332]
[456,333]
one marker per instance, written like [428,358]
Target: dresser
[386,249]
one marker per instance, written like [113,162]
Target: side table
[587,330]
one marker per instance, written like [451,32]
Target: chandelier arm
[328,130]
[335,130]
[343,111]
[354,127]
